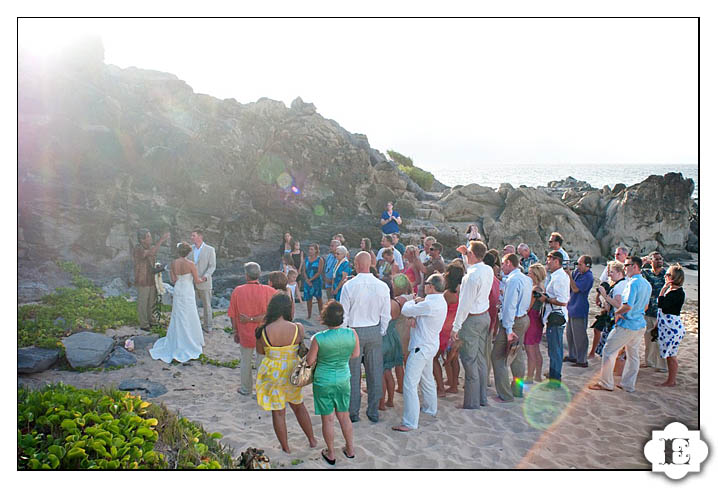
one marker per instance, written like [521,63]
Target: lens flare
[545,403]
[284,180]
[319,210]
[270,168]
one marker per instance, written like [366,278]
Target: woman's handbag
[302,374]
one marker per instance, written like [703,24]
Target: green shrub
[423,178]
[82,308]
[61,427]
[399,158]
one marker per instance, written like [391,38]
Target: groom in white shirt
[472,325]
[205,260]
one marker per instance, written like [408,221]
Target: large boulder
[33,359]
[530,216]
[651,215]
[87,350]
[467,202]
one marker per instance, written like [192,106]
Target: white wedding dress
[184,340]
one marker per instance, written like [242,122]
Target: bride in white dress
[184,340]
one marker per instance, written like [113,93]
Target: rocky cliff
[103,151]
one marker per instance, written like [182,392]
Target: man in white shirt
[430,314]
[424,255]
[386,243]
[555,242]
[367,309]
[515,321]
[557,295]
[472,325]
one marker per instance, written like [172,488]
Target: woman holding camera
[184,340]
[532,338]
[612,299]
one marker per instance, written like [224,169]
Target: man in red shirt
[247,308]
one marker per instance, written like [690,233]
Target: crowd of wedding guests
[413,321]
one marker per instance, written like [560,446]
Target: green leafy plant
[218,313]
[423,178]
[62,427]
[204,359]
[399,158]
[69,310]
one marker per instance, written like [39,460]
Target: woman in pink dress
[412,267]
[453,275]
[532,338]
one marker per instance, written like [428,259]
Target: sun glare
[46,38]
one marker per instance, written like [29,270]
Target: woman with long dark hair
[284,249]
[278,339]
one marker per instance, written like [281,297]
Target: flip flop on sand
[599,387]
[327,459]
[344,451]
[401,428]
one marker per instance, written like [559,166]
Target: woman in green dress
[331,350]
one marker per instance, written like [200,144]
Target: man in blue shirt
[581,283]
[528,258]
[630,326]
[390,220]
[515,321]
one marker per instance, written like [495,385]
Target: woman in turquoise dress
[313,266]
[331,350]
[342,271]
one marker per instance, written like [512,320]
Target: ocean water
[535,175]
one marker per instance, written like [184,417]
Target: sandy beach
[566,428]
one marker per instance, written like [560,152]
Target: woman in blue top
[313,266]
[341,273]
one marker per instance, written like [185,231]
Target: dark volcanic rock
[120,358]
[33,359]
[144,386]
[104,151]
[87,349]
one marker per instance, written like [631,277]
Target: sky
[460,92]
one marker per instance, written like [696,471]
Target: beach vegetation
[62,427]
[423,179]
[204,359]
[69,310]
[399,158]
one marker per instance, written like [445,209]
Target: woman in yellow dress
[278,339]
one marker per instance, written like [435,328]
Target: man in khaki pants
[247,308]
[205,259]
[514,322]
[144,255]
